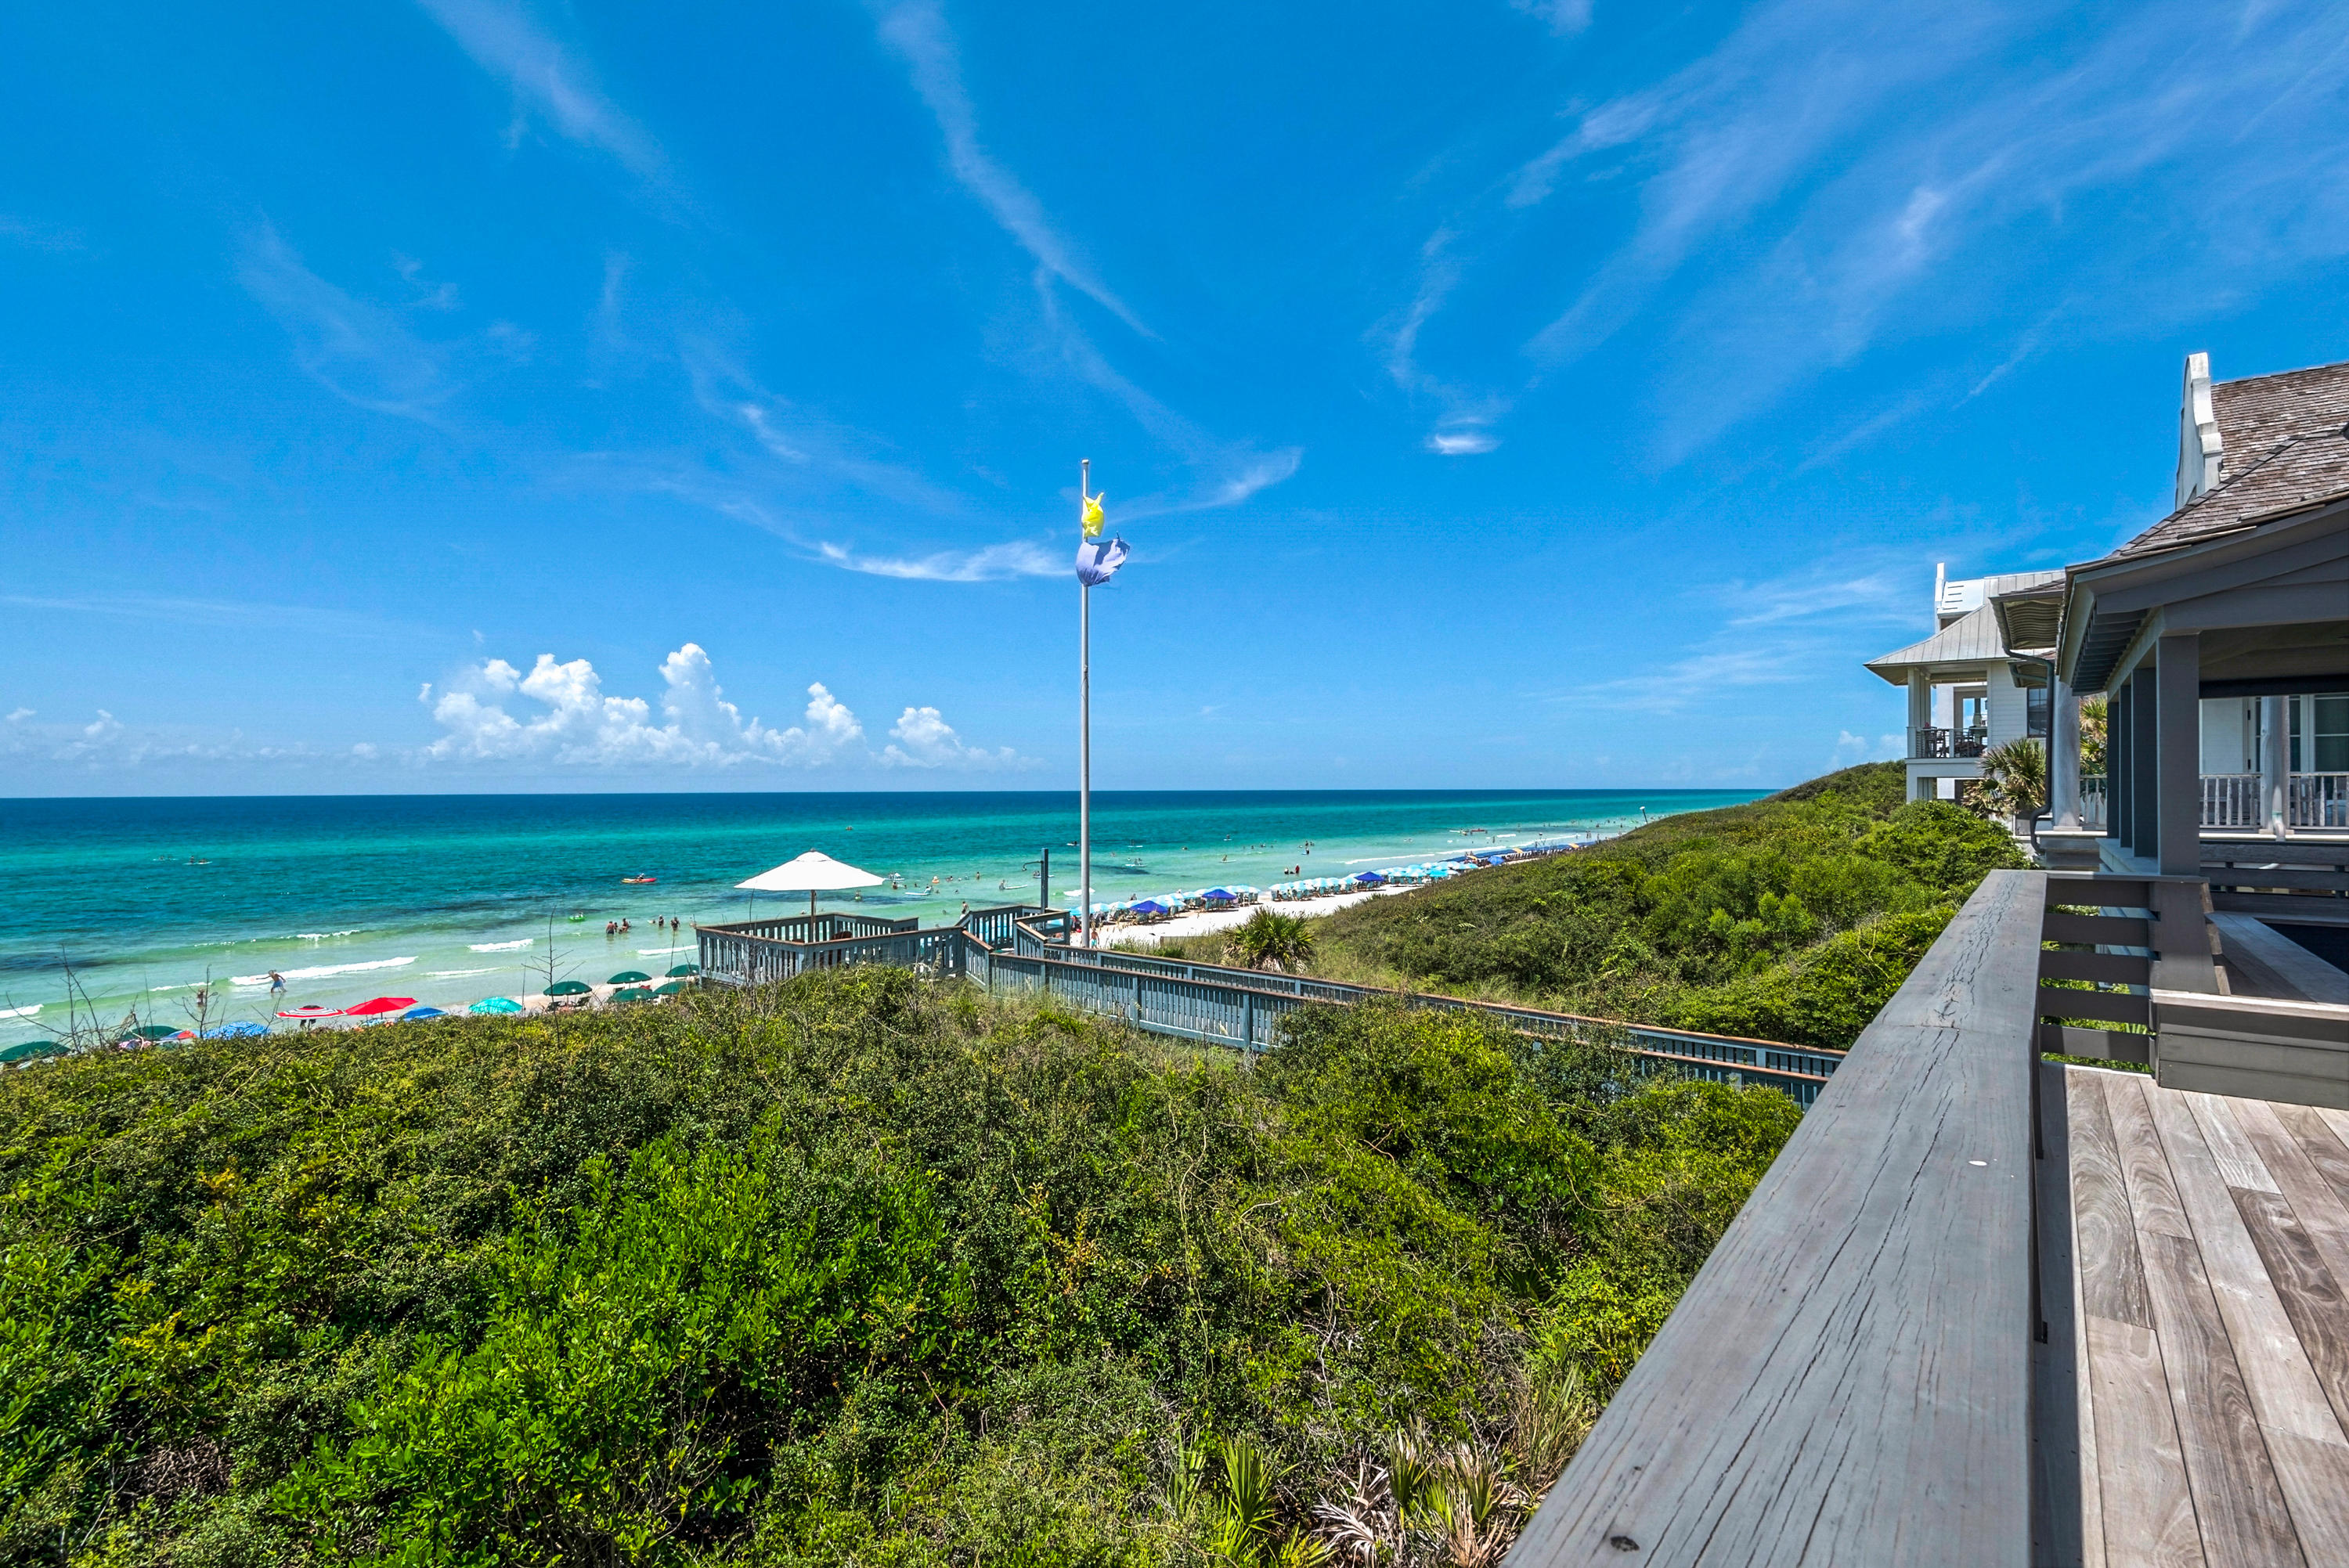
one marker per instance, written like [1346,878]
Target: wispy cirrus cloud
[987,563]
[1687,682]
[1884,593]
[547,80]
[1228,473]
[1832,176]
[917,32]
[360,352]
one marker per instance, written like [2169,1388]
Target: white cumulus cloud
[559,713]
[923,739]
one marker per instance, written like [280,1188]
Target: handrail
[1210,1004]
[1847,1382]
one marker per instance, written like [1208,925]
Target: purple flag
[1098,560]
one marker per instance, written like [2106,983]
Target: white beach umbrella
[811,874]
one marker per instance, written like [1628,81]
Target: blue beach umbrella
[234,1031]
[495,1004]
[417,1014]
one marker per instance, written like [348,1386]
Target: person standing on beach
[276,983]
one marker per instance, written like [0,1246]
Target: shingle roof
[2286,448]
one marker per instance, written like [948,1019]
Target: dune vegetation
[1793,918]
[858,1269]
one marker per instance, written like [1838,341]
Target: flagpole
[1084,723]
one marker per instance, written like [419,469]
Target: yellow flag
[1093,518]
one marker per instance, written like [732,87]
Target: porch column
[2177,682]
[2275,760]
[2062,753]
[1920,711]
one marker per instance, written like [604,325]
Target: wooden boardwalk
[2193,1394]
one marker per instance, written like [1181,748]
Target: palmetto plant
[2092,737]
[1430,1503]
[1269,941]
[2013,780]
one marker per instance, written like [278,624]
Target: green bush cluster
[1793,918]
[859,1269]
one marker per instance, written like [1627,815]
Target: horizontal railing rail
[2106,942]
[816,927]
[1213,1005]
[1847,1382]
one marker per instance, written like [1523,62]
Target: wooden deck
[2193,1394]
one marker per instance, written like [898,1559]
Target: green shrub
[854,1268]
[1775,919]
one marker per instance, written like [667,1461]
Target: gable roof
[2284,447]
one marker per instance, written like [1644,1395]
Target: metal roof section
[1972,639]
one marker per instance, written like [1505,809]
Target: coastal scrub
[858,1268]
[1793,918]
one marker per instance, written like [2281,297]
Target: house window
[2034,714]
[2327,749]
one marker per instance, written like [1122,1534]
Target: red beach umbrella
[308,1013]
[381,1004]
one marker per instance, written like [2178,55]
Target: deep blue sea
[450,898]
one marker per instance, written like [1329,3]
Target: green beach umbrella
[152,1032]
[495,1004]
[633,993]
[570,988]
[630,978]
[674,987]
[683,970]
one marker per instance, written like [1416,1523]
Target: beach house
[1994,1304]
[2219,638]
[1967,694]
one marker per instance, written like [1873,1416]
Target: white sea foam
[321,935]
[661,951]
[455,974]
[20,1012]
[320,971]
[499,946]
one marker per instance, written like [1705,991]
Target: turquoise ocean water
[449,899]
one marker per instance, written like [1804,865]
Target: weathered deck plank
[2066,1513]
[2286,1396]
[2239,1505]
[2148,1508]
[2112,1271]
[1847,1381]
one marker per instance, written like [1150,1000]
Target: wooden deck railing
[1016,948]
[1848,1381]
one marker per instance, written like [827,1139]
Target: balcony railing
[2237,802]
[2092,801]
[1940,743]
[2231,800]
[2317,800]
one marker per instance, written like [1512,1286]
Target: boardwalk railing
[1847,1383]
[1019,948]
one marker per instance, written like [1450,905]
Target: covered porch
[2225,668]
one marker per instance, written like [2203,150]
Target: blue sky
[471,395]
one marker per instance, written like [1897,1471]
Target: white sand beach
[1198,922]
